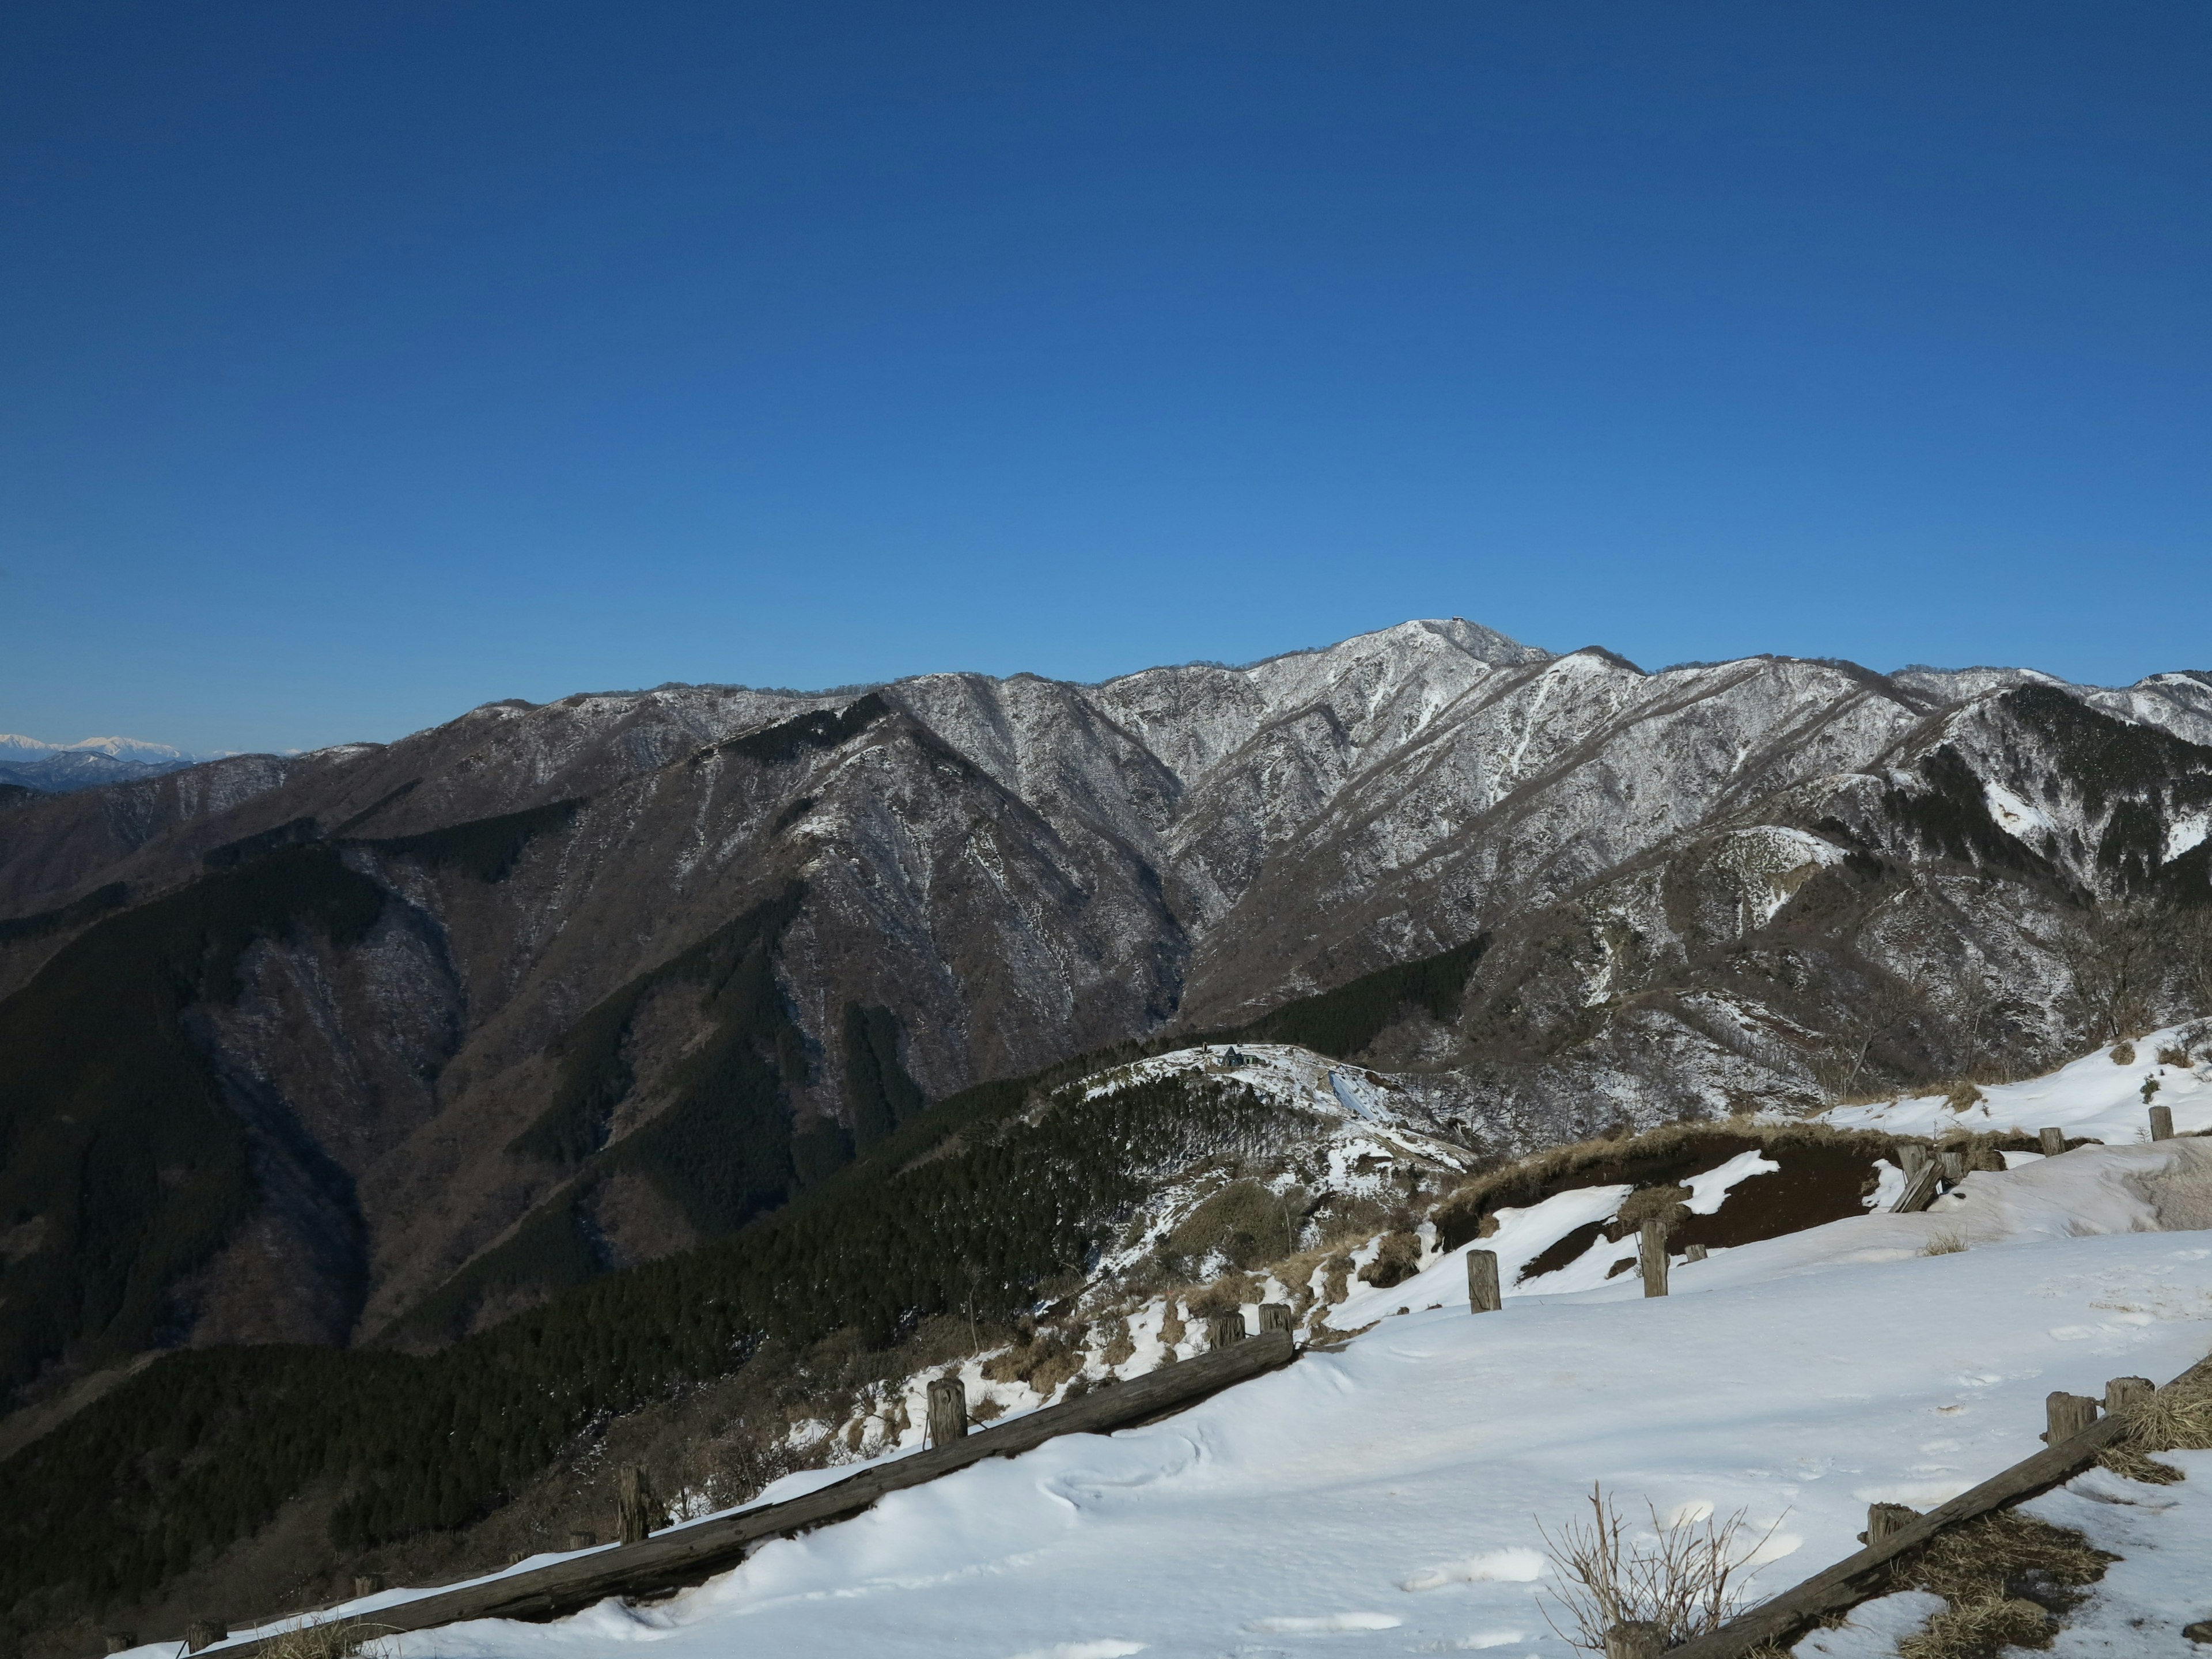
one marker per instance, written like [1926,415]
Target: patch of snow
[2092,1097]
[2015,816]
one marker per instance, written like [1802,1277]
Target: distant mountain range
[385,1046]
[58,769]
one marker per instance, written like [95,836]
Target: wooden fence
[1856,1578]
[678,1556]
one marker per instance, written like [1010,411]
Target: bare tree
[2112,970]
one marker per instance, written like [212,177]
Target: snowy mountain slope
[2101,1096]
[1388,1497]
[1703,890]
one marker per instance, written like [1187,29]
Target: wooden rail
[689,1555]
[1848,1582]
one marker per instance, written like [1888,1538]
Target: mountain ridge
[1698,885]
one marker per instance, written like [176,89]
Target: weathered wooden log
[1483,1294]
[2123,1392]
[1222,1329]
[2161,1123]
[1912,1156]
[1635,1638]
[1693,1253]
[2054,1142]
[637,1515]
[948,1412]
[204,1633]
[121,1641]
[1651,1256]
[1883,1519]
[368,1583]
[1276,1316]
[1919,1190]
[691,1554]
[1953,1160]
[2067,1414]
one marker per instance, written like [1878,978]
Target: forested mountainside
[385,1043]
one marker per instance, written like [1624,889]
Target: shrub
[1397,1260]
[1687,1580]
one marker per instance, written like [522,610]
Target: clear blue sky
[362,362]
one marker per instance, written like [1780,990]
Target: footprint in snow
[1324,1624]
[1515,1566]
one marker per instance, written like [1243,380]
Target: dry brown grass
[1961,1095]
[332,1639]
[2173,1056]
[1944,1244]
[1981,1567]
[1395,1260]
[2123,1054]
[2178,1418]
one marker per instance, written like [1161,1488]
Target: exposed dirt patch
[1817,1165]
[1565,1250]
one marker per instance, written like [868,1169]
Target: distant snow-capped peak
[14,746]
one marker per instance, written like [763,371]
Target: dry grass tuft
[1980,1630]
[2178,1418]
[2123,1054]
[333,1638]
[2173,1056]
[1944,1244]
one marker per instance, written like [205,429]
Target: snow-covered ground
[1386,1496]
[2096,1097]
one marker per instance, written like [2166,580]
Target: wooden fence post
[1920,1171]
[1223,1329]
[948,1410]
[636,1514]
[1883,1519]
[1954,1166]
[1651,1254]
[1483,1295]
[2123,1392]
[204,1633]
[2054,1142]
[2067,1414]
[1276,1316]
[368,1583]
[2161,1123]
[1693,1253]
[1636,1638]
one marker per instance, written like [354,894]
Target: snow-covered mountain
[14,746]
[1715,887]
[62,768]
